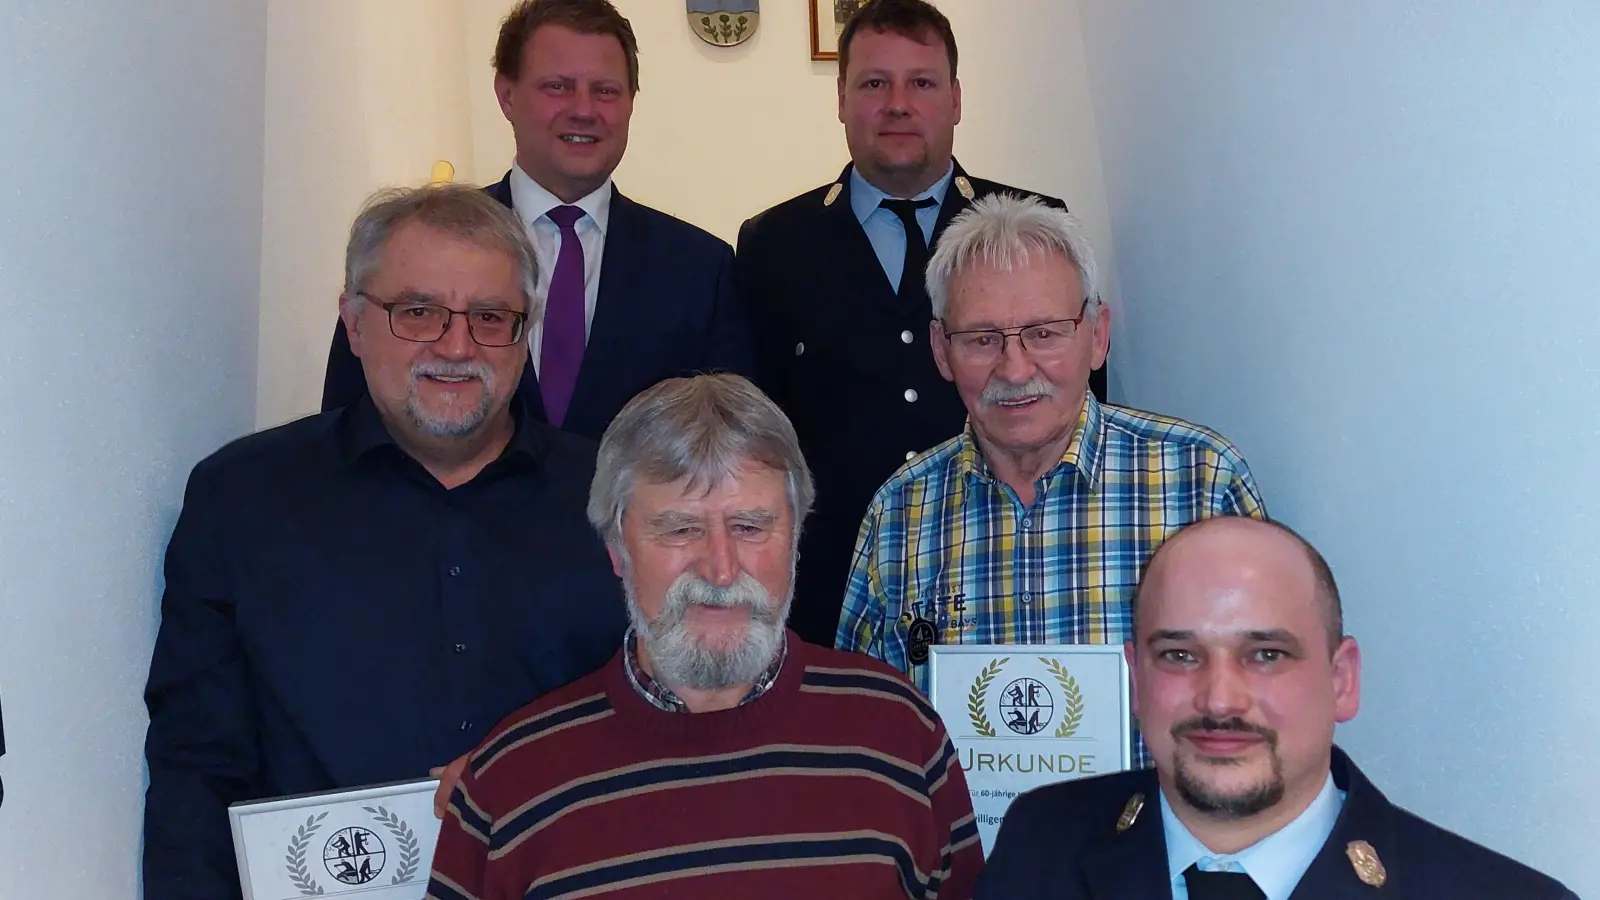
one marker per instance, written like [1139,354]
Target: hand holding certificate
[449,776]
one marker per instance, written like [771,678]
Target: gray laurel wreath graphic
[296,858]
[1072,713]
[410,851]
[976,695]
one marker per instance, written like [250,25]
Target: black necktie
[1220,885]
[912,274]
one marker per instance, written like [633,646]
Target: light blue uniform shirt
[884,229]
[1275,863]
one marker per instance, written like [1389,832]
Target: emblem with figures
[354,854]
[1026,705]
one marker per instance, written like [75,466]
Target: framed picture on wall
[827,21]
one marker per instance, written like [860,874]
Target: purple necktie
[561,344]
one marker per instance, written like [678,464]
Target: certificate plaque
[376,842]
[1025,715]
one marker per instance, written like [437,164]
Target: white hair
[1001,230]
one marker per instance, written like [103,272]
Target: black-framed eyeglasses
[424,323]
[1041,340]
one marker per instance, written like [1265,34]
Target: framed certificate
[1025,715]
[375,841]
[828,18]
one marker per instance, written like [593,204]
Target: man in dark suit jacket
[633,295]
[1240,672]
[834,281]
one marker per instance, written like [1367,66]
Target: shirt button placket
[1032,613]
[459,632]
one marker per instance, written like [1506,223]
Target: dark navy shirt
[334,617]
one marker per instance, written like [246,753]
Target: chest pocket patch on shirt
[941,616]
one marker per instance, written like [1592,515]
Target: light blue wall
[130,247]
[1362,239]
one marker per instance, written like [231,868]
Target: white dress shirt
[532,203]
[1275,863]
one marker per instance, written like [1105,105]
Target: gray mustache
[694,591]
[464,369]
[1002,392]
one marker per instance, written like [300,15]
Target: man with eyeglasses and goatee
[1030,526]
[359,596]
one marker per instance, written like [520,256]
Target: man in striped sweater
[716,755]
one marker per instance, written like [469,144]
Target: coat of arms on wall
[724,22]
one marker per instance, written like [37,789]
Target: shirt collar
[531,201]
[1083,454]
[361,431]
[1275,863]
[865,197]
[665,699]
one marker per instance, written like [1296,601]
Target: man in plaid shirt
[1031,526]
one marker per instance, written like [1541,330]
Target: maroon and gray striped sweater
[839,783]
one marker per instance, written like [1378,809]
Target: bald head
[1240,675]
[1234,547]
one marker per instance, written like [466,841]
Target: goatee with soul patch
[1239,804]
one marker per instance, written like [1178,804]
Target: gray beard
[464,421]
[676,654]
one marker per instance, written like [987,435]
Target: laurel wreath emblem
[410,852]
[979,691]
[1072,706]
[299,875]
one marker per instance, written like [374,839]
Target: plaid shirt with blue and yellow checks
[947,542]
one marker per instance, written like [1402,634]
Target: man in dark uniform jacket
[1240,671]
[632,295]
[834,282]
